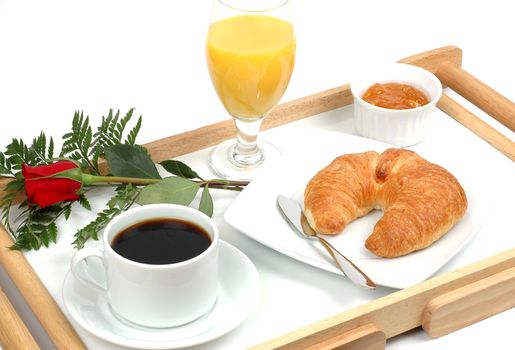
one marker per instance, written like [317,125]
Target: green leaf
[172,189]
[52,232]
[131,137]
[130,161]
[67,210]
[34,241]
[180,169]
[51,148]
[38,227]
[84,202]
[114,122]
[206,202]
[38,149]
[78,143]
[5,165]
[121,201]
[18,153]
[120,127]
[45,239]
[15,185]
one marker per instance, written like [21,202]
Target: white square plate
[254,212]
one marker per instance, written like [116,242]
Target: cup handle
[78,268]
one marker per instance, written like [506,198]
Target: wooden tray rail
[431,304]
[37,296]
[13,332]
[440,304]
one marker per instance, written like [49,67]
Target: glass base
[228,165]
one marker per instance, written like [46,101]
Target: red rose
[43,190]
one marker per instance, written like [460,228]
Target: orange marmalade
[394,96]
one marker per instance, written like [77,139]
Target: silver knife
[292,211]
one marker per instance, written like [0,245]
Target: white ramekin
[399,127]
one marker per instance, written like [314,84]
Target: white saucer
[238,295]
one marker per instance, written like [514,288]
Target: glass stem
[246,151]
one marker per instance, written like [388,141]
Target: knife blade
[293,214]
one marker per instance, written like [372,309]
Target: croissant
[421,200]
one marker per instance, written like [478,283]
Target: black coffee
[161,241]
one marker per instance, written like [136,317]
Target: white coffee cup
[155,295]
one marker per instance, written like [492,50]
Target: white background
[60,56]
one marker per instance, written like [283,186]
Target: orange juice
[250,60]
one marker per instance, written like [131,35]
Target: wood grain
[366,337]
[385,310]
[37,297]
[324,101]
[477,126]
[210,135]
[433,59]
[213,134]
[14,335]
[395,313]
[477,92]
[469,304]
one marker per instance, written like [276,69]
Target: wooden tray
[441,304]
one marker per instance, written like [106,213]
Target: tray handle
[13,332]
[37,297]
[477,126]
[366,337]
[404,310]
[470,304]
[477,92]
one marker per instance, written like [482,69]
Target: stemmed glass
[250,56]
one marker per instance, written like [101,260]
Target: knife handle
[341,261]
